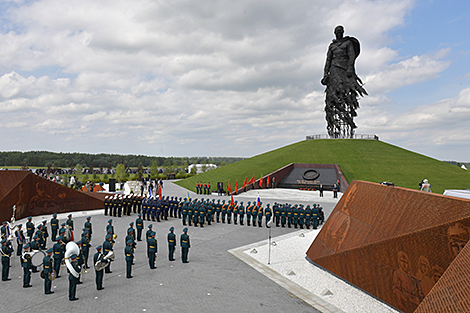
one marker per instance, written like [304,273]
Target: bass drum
[36,259]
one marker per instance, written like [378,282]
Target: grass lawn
[368,160]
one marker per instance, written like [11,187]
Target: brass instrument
[52,275]
[99,265]
[71,248]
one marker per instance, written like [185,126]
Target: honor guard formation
[205,212]
[73,251]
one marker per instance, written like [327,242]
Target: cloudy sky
[227,78]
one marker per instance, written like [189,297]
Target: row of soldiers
[203,188]
[203,211]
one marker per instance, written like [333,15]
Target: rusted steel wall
[392,242]
[34,196]
[452,292]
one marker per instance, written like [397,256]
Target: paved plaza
[214,280]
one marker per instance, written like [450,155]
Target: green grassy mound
[368,160]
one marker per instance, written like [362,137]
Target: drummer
[26,265]
[35,246]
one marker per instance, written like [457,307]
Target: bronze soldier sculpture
[343,86]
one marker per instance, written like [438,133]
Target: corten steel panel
[34,196]
[392,242]
[452,292]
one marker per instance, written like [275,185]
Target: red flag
[261,181]
[244,183]
[252,180]
[236,187]
[267,182]
[228,188]
[231,199]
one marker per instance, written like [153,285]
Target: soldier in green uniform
[26,265]
[131,228]
[153,248]
[308,216]
[58,256]
[260,214]
[107,247]
[224,210]
[268,214]
[35,246]
[106,205]
[295,215]
[229,212]
[139,223]
[80,260]
[254,213]
[235,213]
[248,213]
[129,255]
[130,237]
[4,230]
[88,226]
[301,216]
[54,226]
[148,236]
[208,212]
[277,213]
[289,215]
[241,212]
[99,274]
[6,255]
[47,268]
[110,227]
[39,234]
[185,245]
[202,214]
[45,234]
[69,221]
[190,212]
[30,228]
[73,281]
[283,215]
[20,239]
[85,241]
[218,208]
[171,244]
[314,217]
[184,211]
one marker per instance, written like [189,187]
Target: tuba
[71,248]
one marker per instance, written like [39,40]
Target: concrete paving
[213,281]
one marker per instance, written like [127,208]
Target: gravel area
[288,258]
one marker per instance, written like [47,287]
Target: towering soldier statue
[343,86]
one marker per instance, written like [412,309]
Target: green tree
[154,169]
[78,170]
[120,171]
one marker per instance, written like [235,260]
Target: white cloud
[193,78]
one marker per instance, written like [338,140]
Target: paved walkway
[217,278]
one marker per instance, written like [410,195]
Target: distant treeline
[70,160]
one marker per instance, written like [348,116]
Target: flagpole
[269,243]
